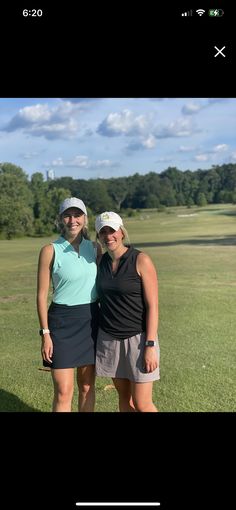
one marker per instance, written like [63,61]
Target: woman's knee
[143,405]
[123,388]
[86,386]
[86,379]
[64,392]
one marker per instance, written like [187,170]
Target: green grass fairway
[194,251]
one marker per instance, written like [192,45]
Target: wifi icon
[200,12]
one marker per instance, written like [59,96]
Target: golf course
[194,251]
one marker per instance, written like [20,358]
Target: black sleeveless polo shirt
[123,312]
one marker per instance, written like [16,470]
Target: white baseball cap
[108,219]
[72,202]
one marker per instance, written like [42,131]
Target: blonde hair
[126,235]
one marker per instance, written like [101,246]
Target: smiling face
[73,220]
[111,238]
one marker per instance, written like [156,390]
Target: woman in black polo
[127,344]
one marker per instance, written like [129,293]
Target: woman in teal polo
[69,326]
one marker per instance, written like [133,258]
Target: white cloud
[232,157]
[57,162]
[58,130]
[201,157]
[220,148]
[125,123]
[104,163]
[177,128]
[186,148]
[29,155]
[28,116]
[40,120]
[191,108]
[163,159]
[79,161]
[149,142]
[94,135]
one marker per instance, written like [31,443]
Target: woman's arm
[147,272]
[43,284]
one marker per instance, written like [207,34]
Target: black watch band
[150,343]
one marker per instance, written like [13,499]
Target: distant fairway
[194,251]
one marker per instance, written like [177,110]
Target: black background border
[53,460]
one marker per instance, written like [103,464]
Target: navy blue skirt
[73,330]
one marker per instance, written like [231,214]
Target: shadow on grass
[11,403]
[227,213]
[229,240]
[216,210]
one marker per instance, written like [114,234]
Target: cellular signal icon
[187,13]
[200,12]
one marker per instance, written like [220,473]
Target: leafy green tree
[10,169]
[176,178]
[201,199]
[39,189]
[190,202]
[117,189]
[153,201]
[132,182]
[49,213]
[180,198]
[167,193]
[16,199]
[15,218]
[98,199]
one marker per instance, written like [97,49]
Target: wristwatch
[43,331]
[150,343]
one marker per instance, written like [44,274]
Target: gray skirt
[73,331]
[124,358]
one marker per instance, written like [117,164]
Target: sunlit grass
[195,260]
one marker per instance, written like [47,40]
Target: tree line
[30,206]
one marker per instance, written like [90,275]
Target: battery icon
[215,13]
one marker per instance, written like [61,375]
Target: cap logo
[105,216]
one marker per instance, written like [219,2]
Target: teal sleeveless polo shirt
[73,274]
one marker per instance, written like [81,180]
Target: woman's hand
[150,359]
[47,348]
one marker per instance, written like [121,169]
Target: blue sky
[111,137]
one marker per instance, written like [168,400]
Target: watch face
[43,331]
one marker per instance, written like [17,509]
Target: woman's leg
[63,381]
[123,386]
[142,397]
[86,385]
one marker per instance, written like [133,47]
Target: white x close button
[219,52]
